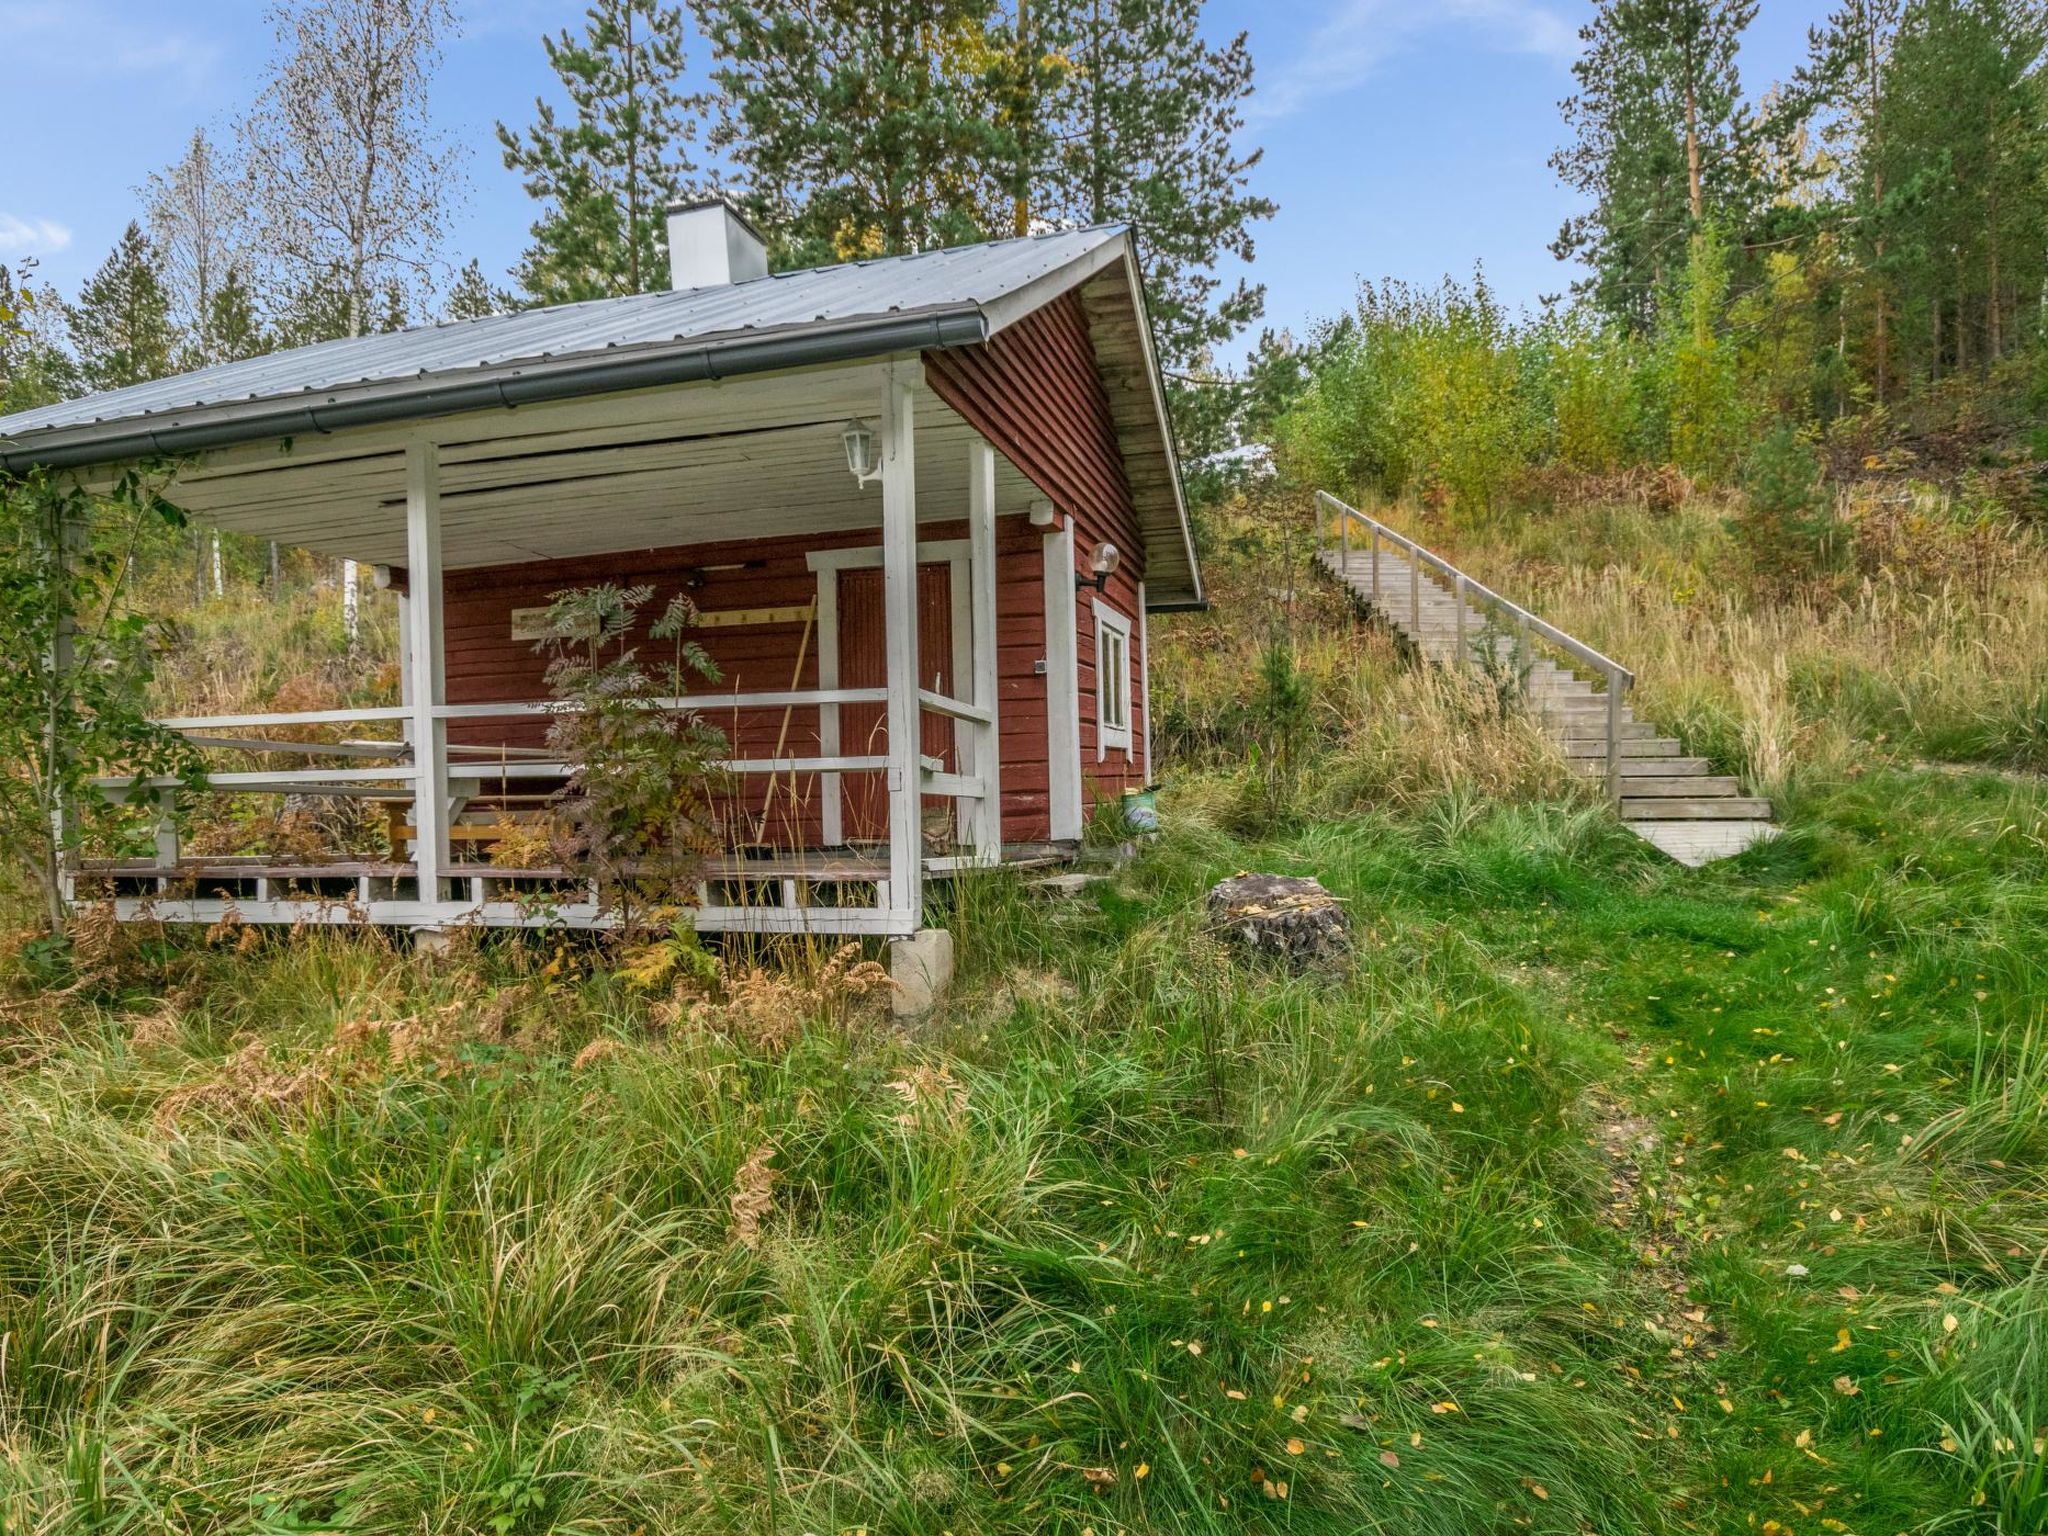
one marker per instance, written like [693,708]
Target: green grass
[1131,1236]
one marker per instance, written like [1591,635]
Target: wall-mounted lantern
[859,438]
[1100,569]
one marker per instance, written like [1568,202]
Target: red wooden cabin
[923,504]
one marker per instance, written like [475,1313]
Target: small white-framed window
[1112,682]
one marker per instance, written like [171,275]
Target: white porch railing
[400,778]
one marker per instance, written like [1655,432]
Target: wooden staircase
[1669,799]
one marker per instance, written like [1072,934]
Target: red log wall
[485,664]
[1034,391]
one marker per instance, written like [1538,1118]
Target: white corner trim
[1062,688]
[1145,677]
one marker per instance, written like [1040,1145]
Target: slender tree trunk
[1695,194]
[1880,329]
[1993,332]
[1098,150]
[632,164]
[1020,215]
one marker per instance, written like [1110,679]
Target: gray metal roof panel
[780,302]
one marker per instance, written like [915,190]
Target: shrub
[1786,523]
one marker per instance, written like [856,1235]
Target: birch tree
[197,217]
[350,186]
[349,183]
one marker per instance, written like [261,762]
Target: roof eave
[389,402]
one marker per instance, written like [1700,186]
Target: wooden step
[1722,808]
[1631,746]
[1583,728]
[1689,786]
[1642,767]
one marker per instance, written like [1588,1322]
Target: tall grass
[1929,650]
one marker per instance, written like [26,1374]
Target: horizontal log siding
[1035,391]
[486,665]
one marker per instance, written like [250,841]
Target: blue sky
[1402,139]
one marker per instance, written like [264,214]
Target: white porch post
[1145,679]
[427,666]
[981,577]
[899,607]
[1062,686]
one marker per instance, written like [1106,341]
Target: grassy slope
[1494,1231]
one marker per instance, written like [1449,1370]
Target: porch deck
[811,890]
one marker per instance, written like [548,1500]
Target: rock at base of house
[1286,916]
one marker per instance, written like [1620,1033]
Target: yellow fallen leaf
[1841,1341]
[1846,1385]
[1457,1108]
[1142,1470]
[1726,1406]
[1444,1407]
[1949,1323]
[1295,1447]
[1805,1439]
[1539,1490]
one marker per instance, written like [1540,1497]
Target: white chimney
[710,245]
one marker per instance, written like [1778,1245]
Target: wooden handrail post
[1614,737]
[1462,658]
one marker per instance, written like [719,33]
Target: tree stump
[1286,916]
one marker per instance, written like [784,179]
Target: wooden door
[864,663]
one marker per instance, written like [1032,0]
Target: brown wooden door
[864,663]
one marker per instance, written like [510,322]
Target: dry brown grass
[1931,640]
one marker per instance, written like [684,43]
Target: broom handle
[803,652]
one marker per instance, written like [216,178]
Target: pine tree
[1843,82]
[234,327]
[1144,121]
[121,325]
[475,297]
[1659,143]
[867,127]
[607,176]
[1965,161]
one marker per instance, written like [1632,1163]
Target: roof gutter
[117,441]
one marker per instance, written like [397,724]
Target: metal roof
[857,309]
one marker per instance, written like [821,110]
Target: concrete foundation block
[922,968]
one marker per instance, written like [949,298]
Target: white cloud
[94,40]
[31,237]
[1358,36]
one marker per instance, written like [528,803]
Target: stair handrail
[1619,678]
